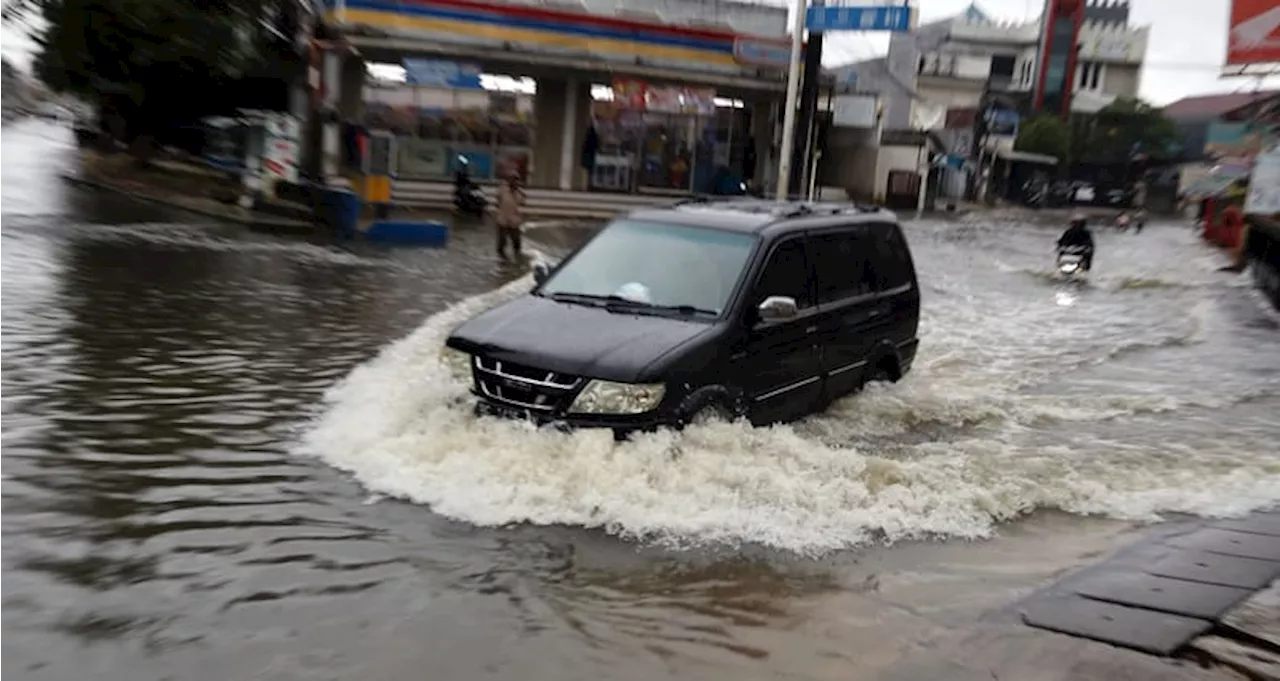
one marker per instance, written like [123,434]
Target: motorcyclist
[1078,235]
[462,177]
[466,193]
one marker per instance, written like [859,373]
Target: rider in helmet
[462,176]
[1078,234]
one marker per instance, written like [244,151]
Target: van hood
[574,339]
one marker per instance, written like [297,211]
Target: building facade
[694,82]
[942,73]
[949,63]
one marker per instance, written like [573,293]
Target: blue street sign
[821,18]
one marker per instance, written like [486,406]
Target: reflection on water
[161,378]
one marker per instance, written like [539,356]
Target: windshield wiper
[580,298]
[613,302]
[681,309]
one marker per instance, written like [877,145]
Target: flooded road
[233,456]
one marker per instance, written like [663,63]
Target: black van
[740,308]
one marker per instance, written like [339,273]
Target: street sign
[821,18]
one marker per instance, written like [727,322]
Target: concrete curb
[249,220]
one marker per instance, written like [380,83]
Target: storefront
[642,138]
[440,115]
[665,139]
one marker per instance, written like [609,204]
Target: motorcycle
[468,198]
[1071,261]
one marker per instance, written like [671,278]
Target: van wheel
[879,374]
[712,412]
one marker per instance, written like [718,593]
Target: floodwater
[233,456]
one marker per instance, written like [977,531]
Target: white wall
[1114,43]
[894,158]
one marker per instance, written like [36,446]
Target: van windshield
[655,265]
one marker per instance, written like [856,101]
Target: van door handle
[811,329]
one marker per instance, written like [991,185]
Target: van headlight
[607,397]
[457,362]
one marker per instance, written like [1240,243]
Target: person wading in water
[510,199]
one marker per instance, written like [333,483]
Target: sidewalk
[179,185]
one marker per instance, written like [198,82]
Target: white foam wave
[403,427]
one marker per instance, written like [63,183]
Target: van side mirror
[777,309]
[541,271]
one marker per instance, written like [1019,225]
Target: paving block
[1231,543]
[1176,596]
[1216,568]
[1255,662]
[1145,630]
[1259,616]
[1257,523]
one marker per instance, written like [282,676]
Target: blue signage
[761,52]
[1002,122]
[896,18]
[442,73]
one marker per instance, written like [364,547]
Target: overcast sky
[1184,56]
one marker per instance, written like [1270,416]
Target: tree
[1128,130]
[151,65]
[1044,134]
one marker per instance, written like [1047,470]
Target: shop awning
[1027,157]
[522,63]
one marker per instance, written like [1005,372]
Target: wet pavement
[230,455]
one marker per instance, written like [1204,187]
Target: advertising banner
[629,93]
[699,101]
[422,158]
[442,73]
[1254,32]
[1264,184]
[761,52]
[663,100]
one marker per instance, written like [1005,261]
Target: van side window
[787,273]
[842,263]
[888,257]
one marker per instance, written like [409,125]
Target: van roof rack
[793,208]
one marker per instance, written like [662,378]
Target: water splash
[954,450]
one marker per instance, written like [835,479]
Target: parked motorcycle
[468,197]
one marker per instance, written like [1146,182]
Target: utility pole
[800,168]
[789,104]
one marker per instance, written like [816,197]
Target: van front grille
[525,387]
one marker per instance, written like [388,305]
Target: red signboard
[629,93]
[1254,33]
[961,118]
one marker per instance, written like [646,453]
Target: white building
[947,64]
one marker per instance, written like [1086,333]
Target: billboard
[855,111]
[1264,184]
[1254,32]
[442,73]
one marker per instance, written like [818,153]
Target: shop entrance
[667,140]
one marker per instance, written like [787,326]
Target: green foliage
[1044,134]
[152,61]
[1127,127]
[1116,134]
